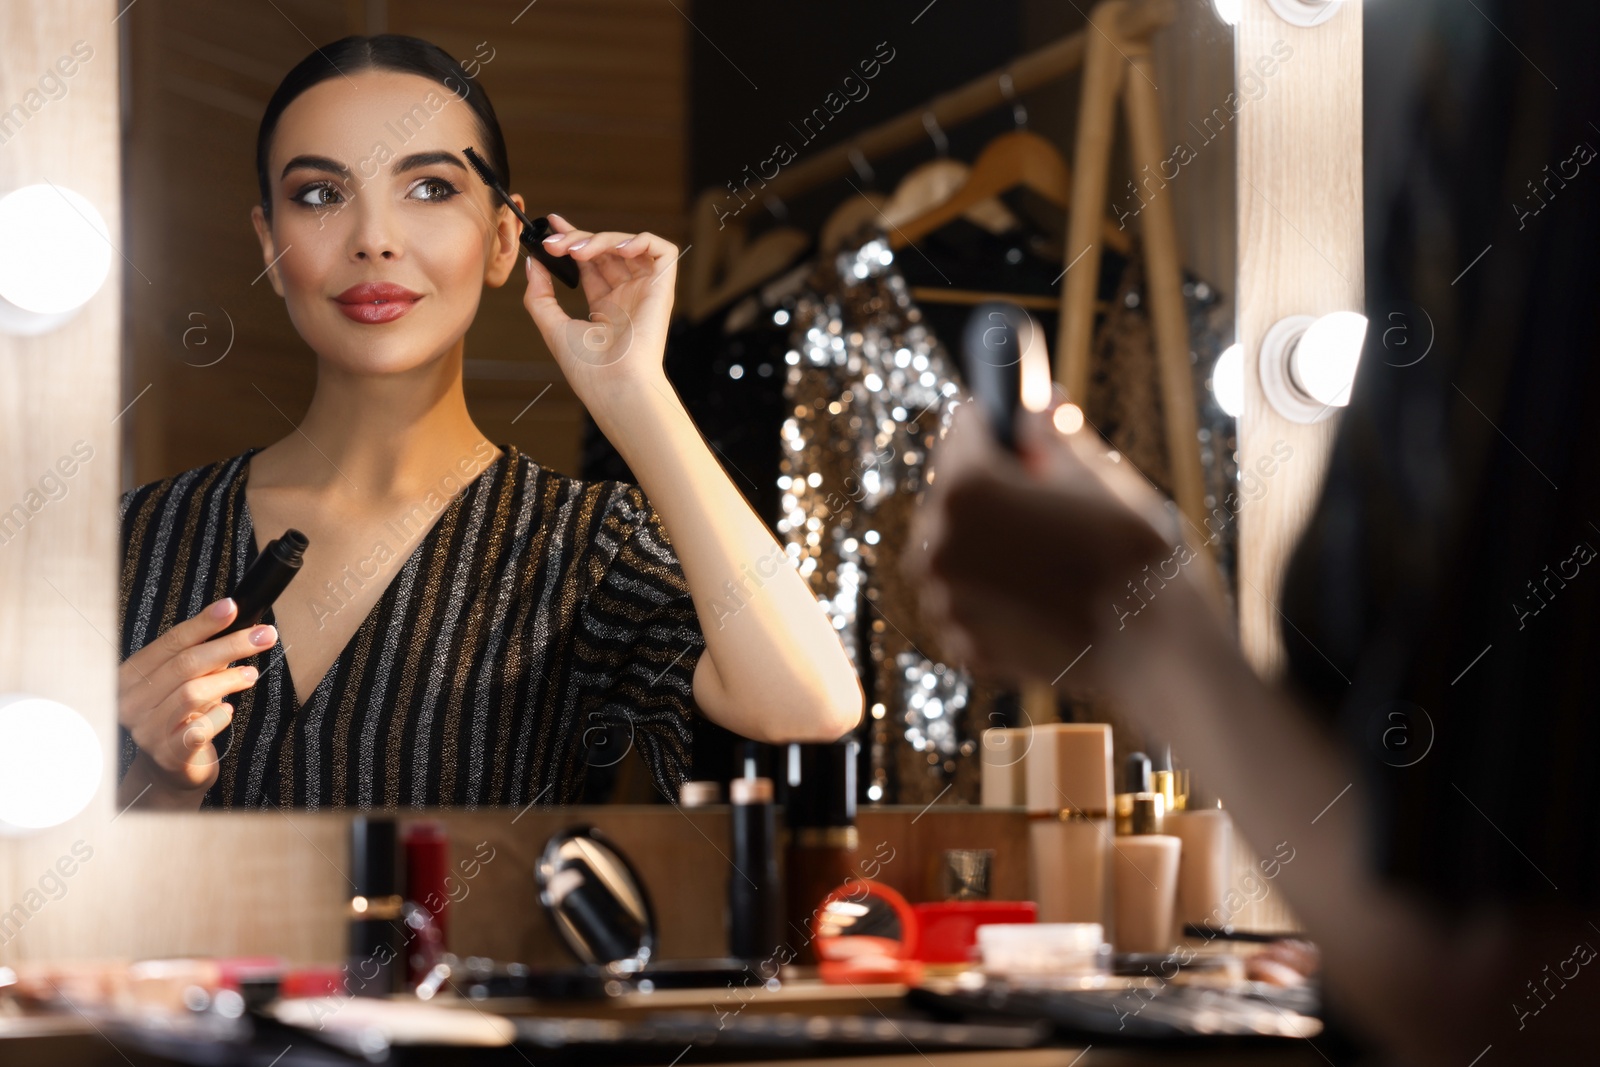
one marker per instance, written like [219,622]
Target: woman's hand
[628,279]
[1026,562]
[170,700]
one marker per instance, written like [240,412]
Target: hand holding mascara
[261,584]
[534,231]
[182,727]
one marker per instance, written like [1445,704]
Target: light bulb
[50,762]
[1034,373]
[1227,380]
[55,253]
[1324,360]
[1228,10]
[1068,418]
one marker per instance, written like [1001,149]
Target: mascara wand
[534,231]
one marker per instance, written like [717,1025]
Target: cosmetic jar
[1069,955]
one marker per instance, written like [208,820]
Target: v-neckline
[248,524]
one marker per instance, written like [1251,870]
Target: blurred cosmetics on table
[1145,863]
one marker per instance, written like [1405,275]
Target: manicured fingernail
[262,635]
[553,238]
[624,244]
[580,244]
[221,608]
[249,674]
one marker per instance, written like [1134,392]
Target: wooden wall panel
[1300,252]
[58,570]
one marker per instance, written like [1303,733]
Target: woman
[1427,756]
[467,625]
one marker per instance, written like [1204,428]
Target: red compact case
[865,931]
[949,928]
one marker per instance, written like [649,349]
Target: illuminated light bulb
[1324,360]
[1037,387]
[1068,418]
[50,762]
[1227,380]
[1307,365]
[55,253]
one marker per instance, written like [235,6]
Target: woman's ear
[269,252]
[506,250]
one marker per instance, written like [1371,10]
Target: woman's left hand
[628,279]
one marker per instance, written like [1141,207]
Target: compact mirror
[865,931]
[597,901]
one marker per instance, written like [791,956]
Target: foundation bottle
[1145,875]
[1069,796]
[1205,866]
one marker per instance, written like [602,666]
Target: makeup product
[534,231]
[950,927]
[1003,755]
[1146,879]
[597,901]
[375,966]
[1164,779]
[755,904]
[1135,779]
[427,865]
[1229,933]
[1005,360]
[1055,955]
[699,793]
[260,585]
[267,578]
[599,907]
[820,809]
[1070,823]
[1205,864]
[864,931]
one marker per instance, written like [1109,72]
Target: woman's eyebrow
[404,163]
[315,163]
[427,159]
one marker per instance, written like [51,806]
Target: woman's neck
[377,436]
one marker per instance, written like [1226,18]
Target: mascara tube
[261,584]
[268,577]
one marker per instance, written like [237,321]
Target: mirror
[596,901]
[865,931]
[444,644]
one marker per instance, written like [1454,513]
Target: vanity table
[879,1008]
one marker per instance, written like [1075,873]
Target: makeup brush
[534,231]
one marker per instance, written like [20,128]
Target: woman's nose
[374,236]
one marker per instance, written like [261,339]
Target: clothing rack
[1113,52]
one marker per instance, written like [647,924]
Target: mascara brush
[534,231]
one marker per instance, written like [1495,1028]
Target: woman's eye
[433,189]
[319,195]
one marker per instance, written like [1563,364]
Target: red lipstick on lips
[375,302]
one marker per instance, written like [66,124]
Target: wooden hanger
[934,182]
[765,257]
[1015,159]
[848,218]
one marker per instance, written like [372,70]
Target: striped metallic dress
[540,630]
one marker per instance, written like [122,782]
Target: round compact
[864,931]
